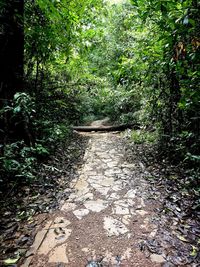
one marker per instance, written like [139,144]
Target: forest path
[106,216]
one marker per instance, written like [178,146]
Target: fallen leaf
[194,251]
[182,238]
[11,261]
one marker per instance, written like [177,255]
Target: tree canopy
[68,62]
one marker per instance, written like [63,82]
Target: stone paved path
[105,217]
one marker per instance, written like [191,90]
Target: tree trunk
[11,48]
[11,56]
[103,128]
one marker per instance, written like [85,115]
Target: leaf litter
[27,205]
[178,217]
[177,238]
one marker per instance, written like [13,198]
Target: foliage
[134,62]
[19,160]
[143,136]
[172,60]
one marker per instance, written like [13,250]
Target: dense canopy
[67,63]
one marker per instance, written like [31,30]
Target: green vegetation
[141,136]
[135,62]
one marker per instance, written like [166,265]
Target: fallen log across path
[106,128]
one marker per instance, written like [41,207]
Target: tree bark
[11,47]
[104,128]
[11,56]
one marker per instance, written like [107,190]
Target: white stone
[68,206]
[123,203]
[131,193]
[59,255]
[81,213]
[53,239]
[114,196]
[141,212]
[117,187]
[85,197]
[157,258]
[114,227]
[119,210]
[126,219]
[101,189]
[96,205]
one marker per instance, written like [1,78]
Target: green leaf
[11,261]
[182,238]
[194,251]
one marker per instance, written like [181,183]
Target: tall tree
[11,47]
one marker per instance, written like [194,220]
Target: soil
[106,216]
[111,205]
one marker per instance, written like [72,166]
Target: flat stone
[68,206]
[81,213]
[119,210]
[54,238]
[81,185]
[101,189]
[131,193]
[126,219]
[117,187]
[157,258]
[35,246]
[114,227]
[106,160]
[85,197]
[109,173]
[113,151]
[59,255]
[88,196]
[95,178]
[96,205]
[131,202]
[107,181]
[112,164]
[141,212]
[113,196]
[79,195]
[113,189]
[123,203]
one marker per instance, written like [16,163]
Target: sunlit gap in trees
[112,2]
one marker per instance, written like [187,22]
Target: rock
[96,205]
[81,213]
[59,254]
[114,227]
[157,258]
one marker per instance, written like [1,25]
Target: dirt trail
[106,216]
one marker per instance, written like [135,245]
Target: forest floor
[105,217]
[109,210]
